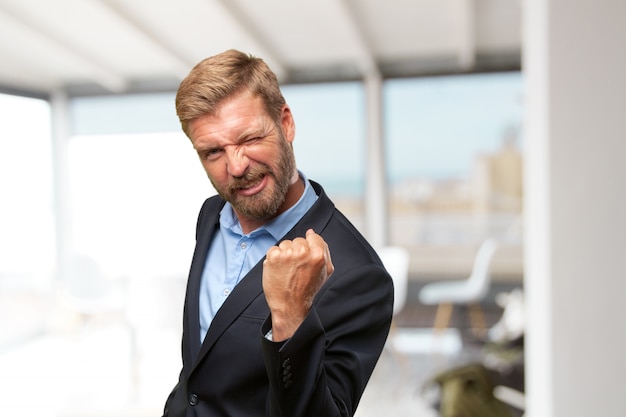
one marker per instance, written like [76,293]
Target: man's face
[248,158]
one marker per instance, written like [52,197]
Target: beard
[265,204]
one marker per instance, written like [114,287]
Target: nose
[237,161]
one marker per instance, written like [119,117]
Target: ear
[288,124]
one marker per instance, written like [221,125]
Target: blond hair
[221,76]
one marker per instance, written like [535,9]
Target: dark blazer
[322,370]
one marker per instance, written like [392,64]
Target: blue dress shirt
[233,254]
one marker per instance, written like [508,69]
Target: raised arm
[323,366]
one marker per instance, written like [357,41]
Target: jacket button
[287,381]
[193,399]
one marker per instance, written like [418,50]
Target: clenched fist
[293,273]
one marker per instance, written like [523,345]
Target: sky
[433,127]
[436,126]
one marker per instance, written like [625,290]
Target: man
[273,326]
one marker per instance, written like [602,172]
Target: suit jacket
[322,370]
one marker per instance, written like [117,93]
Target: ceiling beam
[249,27]
[101,73]
[180,63]
[366,61]
[467,34]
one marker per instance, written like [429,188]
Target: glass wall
[454,157]
[330,134]
[453,151]
[27,244]
[135,201]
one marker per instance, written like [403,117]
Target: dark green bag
[467,391]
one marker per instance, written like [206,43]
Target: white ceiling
[117,46]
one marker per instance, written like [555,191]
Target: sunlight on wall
[135,201]
[106,338]
[26,224]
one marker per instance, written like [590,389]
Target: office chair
[470,291]
[396,261]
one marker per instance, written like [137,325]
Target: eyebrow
[263,130]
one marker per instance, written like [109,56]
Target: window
[454,157]
[27,244]
[330,140]
[27,237]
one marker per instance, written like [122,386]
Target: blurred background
[442,129]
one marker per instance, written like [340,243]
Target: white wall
[575,69]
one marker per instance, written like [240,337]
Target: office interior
[98,221]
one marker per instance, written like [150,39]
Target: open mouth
[251,187]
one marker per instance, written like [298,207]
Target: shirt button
[193,399]
[226,292]
[243,245]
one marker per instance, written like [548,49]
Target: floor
[91,370]
[401,383]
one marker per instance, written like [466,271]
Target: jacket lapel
[244,293]
[250,287]
[208,223]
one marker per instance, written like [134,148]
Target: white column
[62,211]
[575,178]
[376,181]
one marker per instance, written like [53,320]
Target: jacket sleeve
[324,367]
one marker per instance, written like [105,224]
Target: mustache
[250,178]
